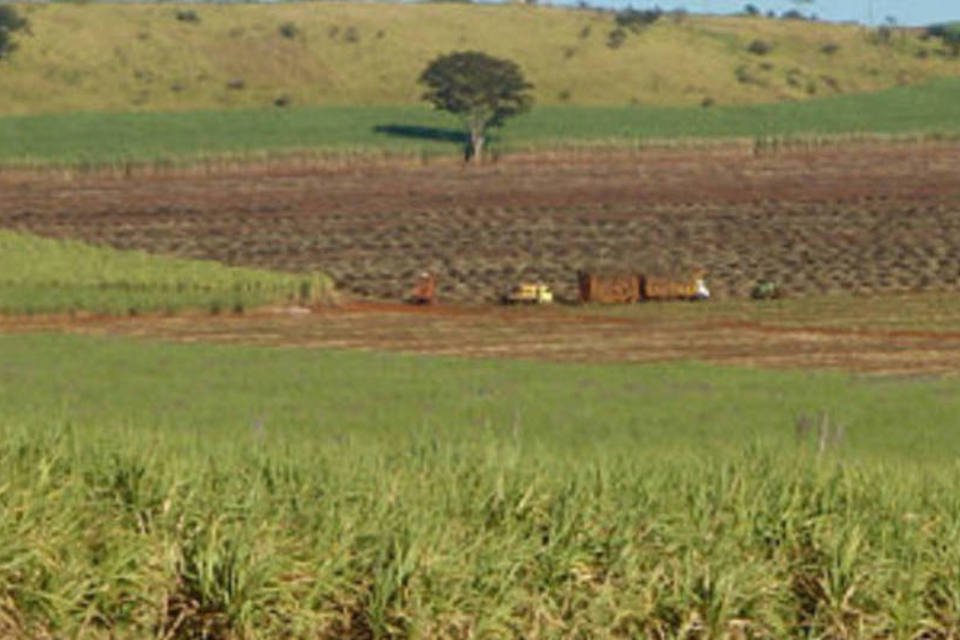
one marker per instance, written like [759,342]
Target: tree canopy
[482,90]
[10,21]
[949,33]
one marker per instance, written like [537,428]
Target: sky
[905,12]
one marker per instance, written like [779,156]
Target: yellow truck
[529,293]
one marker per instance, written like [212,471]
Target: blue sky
[907,12]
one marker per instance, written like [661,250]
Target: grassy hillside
[187,491]
[40,275]
[142,57]
[104,138]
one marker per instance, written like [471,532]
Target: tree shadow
[417,132]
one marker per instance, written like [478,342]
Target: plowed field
[863,218]
[865,239]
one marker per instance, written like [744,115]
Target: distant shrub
[585,32]
[766,290]
[289,30]
[187,15]
[882,35]
[282,101]
[564,96]
[745,75]
[616,38]
[707,102]
[236,84]
[831,82]
[792,14]
[795,78]
[949,33]
[6,44]
[637,19]
[351,35]
[10,21]
[829,48]
[760,47]
[751,10]
[937,30]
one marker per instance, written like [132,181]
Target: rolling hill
[161,57]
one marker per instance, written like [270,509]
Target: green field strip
[105,138]
[152,488]
[569,408]
[42,275]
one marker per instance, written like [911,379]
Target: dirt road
[861,338]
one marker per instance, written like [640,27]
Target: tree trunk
[477,139]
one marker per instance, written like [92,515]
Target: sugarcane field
[456,321]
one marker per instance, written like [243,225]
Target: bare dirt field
[904,335]
[864,218]
[865,238]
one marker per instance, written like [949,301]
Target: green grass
[304,395]
[140,57]
[104,138]
[156,490]
[42,275]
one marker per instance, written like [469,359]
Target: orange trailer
[625,288]
[656,288]
[609,287]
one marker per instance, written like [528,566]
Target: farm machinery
[635,287]
[424,289]
[599,287]
[529,293]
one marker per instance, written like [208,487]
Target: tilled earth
[883,335]
[864,218]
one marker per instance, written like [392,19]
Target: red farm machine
[424,290]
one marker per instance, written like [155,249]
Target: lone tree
[482,90]
[10,21]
